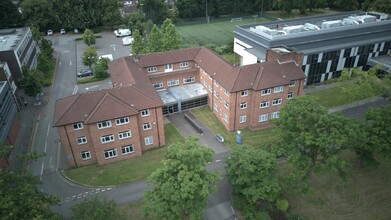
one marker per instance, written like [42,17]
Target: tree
[10,16]
[171,39]
[189,8]
[182,184]
[379,121]
[101,69]
[138,43]
[97,208]
[136,21]
[90,56]
[40,13]
[156,10]
[312,138]
[251,172]
[89,37]
[112,14]
[347,5]
[154,41]
[377,5]
[32,83]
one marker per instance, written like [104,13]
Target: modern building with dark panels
[18,49]
[328,43]
[9,124]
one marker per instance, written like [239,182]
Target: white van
[122,32]
[106,56]
[127,40]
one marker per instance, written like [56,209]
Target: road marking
[41,171]
[70,63]
[113,45]
[85,194]
[92,87]
[59,64]
[50,162]
[218,161]
[75,89]
[46,145]
[58,154]
[47,132]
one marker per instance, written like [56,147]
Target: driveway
[219,205]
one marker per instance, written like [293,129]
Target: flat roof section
[186,92]
[10,38]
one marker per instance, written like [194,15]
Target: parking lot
[107,44]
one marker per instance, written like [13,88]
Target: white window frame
[157,85]
[147,126]
[244,93]
[112,153]
[216,94]
[275,114]
[266,92]
[107,138]
[225,117]
[216,83]
[242,118]
[189,79]
[152,69]
[124,135]
[210,88]
[128,149]
[243,105]
[290,95]
[215,107]
[148,140]
[77,126]
[145,112]
[183,64]
[263,118]
[264,104]
[104,124]
[226,104]
[226,92]
[81,140]
[277,101]
[85,155]
[168,67]
[122,121]
[292,83]
[173,82]
[278,89]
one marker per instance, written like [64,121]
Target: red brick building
[240,97]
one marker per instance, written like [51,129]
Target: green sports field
[217,33]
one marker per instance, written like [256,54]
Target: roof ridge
[141,91]
[259,76]
[69,106]
[96,107]
[236,78]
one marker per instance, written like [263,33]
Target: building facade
[18,49]
[92,126]
[328,43]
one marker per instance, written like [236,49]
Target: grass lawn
[134,210]
[333,97]
[127,170]
[365,195]
[249,137]
[218,33]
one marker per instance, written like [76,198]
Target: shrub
[282,205]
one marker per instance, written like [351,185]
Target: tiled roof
[102,105]
[161,58]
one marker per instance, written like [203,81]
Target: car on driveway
[50,32]
[84,72]
[127,40]
[63,31]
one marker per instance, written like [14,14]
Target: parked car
[63,31]
[106,56]
[84,72]
[127,40]
[122,32]
[75,31]
[50,32]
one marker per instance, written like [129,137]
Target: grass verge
[133,210]
[127,170]
[89,80]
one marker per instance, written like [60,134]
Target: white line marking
[232,210]
[47,132]
[59,64]
[70,63]
[50,161]
[92,87]
[75,89]
[46,145]
[41,172]
[218,161]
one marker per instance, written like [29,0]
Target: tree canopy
[155,10]
[89,56]
[138,43]
[182,184]
[154,41]
[97,208]
[251,172]
[89,37]
[171,38]
[10,16]
[311,137]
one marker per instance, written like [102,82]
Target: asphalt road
[45,137]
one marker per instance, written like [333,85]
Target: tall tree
[379,121]
[89,56]
[136,21]
[111,15]
[32,82]
[156,10]
[10,16]
[312,138]
[182,184]
[89,37]
[154,41]
[138,43]
[171,38]
[189,8]
[39,13]
[251,172]
[97,208]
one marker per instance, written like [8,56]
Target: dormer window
[151,69]
[183,64]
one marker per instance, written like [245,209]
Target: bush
[101,69]
[282,205]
